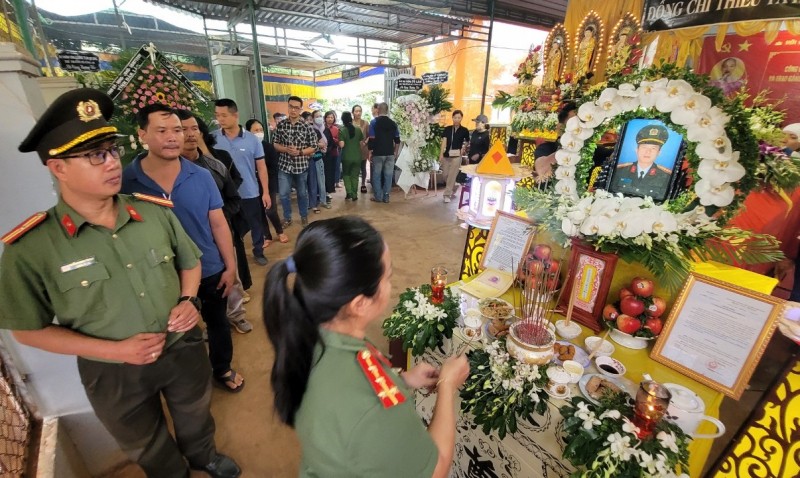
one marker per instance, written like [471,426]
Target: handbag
[453,153]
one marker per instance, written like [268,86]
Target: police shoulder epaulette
[24,227]
[382,384]
[154,199]
[663,169]
[624,165]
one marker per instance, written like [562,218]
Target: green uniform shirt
[344,429]
[101,283]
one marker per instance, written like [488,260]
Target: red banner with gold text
[751,62]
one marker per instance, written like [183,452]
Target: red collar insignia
[69,225]
[133,213]
[633,168]
[652,171]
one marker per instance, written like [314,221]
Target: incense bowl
[530,353]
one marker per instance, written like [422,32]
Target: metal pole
[43,39]
[488,53]
[260,78]
[210,62]
[21,12]
[119,24]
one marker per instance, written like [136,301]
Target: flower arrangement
[529,68]
[502,390]
[721,155]
[414,116]
[778,170]
[602,441]
[534,121]
[420,323]
[155,85]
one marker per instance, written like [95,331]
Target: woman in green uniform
[350,139]
[353,415]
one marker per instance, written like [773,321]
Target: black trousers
[214,312]
[127,400]
[272,216]
[330,162]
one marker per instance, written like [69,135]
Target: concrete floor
[421,231]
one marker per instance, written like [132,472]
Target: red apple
[642,287]
[553,267]
[624,292]
[542,251]
[552,283]
[629,325]
[654,324]
[657,308]
[535,267]
[631,306]
[610,312]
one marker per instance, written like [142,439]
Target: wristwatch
[194,300]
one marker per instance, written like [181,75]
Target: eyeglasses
[98,156]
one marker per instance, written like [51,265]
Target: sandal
[230,378]
[363,190]
[316,210]
[283,238]
[267,243]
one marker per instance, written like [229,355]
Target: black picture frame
[615,176]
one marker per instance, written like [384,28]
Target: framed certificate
[591,272]
[509,240]
[717,332]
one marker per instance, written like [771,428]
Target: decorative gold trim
[510,217]
[89,111]
[756,352]
[80,139]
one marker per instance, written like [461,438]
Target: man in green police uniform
[121,276]
[643,177]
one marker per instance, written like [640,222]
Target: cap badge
[653,131]
[89,111]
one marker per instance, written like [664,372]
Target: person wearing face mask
[332,159]
[791,140]
[313,179]
[479,140]
[271,157]
[318,124]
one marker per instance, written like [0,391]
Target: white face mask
[319,121]
[260,135]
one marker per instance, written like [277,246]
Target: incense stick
[571,306]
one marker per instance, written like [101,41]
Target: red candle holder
[652,400]
[438,283]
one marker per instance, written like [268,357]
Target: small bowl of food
[499,313]
[559,390]
[574,369]
[567,331]
[610,367]
[605,350]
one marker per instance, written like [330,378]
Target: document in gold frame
[717,332]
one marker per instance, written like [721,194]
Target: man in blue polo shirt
[198,205]
[248,155]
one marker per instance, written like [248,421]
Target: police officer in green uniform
[353,415]
[120,275]
[644,177]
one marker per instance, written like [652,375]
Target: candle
[652,400]
[438,283]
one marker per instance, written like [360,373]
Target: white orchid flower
[631,224]
[568,228]
[664,223]
[567,187]
[591,115]
[676,93]
[609,101]
[690,109]
[721,170]
[578,128]
[613,414]
[607,206]
[597,226]
[709,194]
[627,90]
[629,427]
[707,126]
[565,172]
[650,91]
[718,147]
[620,446]
[571,142]
[668,440]
[631,203]
[577,216]
[567,158]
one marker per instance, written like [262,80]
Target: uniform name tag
[78,264]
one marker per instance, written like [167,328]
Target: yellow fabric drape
[279,89]
[793,26]
[754,27]
[610,13]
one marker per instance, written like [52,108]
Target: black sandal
[224,380]
[363,190]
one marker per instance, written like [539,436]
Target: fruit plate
[580,355]
[629,341]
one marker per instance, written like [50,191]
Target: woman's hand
[423,375]
[454,372]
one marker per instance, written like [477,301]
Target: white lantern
[489,194]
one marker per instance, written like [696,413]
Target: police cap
[74,121]
[652,134]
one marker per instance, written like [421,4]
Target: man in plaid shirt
[296,142]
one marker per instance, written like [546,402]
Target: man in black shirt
[454,141]
[479,142]
[384,139]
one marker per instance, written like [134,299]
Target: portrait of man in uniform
[645,168]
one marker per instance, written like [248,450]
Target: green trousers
[350,171]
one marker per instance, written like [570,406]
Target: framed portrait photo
[590,271]
[647,161]
[716,333]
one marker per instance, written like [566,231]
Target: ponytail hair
[347,120]
[334,261]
